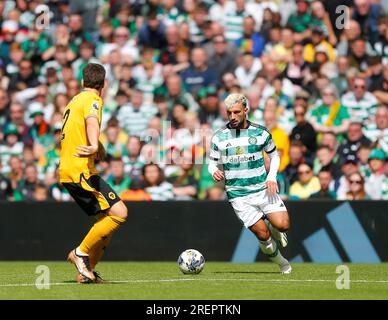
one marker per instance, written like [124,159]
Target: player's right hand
[218,176]
[85,151]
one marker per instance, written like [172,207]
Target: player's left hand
[85,151]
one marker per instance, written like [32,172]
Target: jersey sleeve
[269,145]
[215,154]
[93,108]
[214,157]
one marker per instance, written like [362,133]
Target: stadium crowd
[317,80]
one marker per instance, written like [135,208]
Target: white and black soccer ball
[191,261]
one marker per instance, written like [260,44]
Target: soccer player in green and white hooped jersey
[236,156]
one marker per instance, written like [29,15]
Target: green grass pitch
[153,280]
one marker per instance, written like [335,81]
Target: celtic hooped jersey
[240,153]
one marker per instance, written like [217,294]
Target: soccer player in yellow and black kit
[80,147]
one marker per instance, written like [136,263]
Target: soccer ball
[191,261]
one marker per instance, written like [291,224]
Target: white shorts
[252,208]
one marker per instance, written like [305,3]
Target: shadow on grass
[245,272]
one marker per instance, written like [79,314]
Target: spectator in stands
[301,20]
[358,56]
[186,179]
[349,165]
[247,69]
[26,187]
[359,103]
[178,116]
[340,80]
[57,191]
[39,126]
[117,179]
[296,158]
[329,139]
[133,160]
[9,29]
[25,78]
[331,115]
[168,54]
[155,183]
[12,146]
[4,107]
[318,42]
[78,34]
[377,131]
[86,52]
[363,156]
[279,136]
[281,53]
[199,74]
[16,117]
[374,183]
[326,159]
[116,139]
[175,93]
[210,111]
[367,14]
[356,188]
[321,18]
[296,67]
[350,34]
[304,131]
[307,183]
[251,41]
[379,87]
[354,139]
[6,191]
[40,193]
[223,56]
[135,116]
[384,189]
[325,179]
[233,20]
[122,44]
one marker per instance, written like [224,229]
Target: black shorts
[93,195]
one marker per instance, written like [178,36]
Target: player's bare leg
[278,224]
[269,246]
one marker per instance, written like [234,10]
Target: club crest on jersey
[111,195]
[252,140]
[95,105]
[240,150]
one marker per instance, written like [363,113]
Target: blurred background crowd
[315,74]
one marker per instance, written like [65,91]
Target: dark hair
[86,45]
[94,76]
[113,122]
[324,146]
[117,159]
[161,173]
[325,170]
[296,143]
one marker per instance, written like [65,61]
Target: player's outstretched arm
[271,182]
[214,158]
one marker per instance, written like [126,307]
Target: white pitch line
[198,279]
